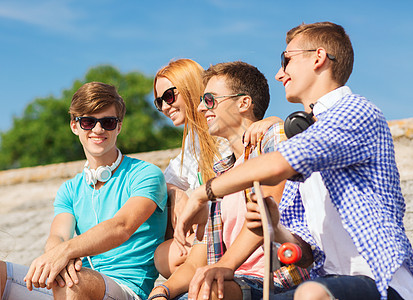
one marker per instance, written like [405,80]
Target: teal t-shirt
[131,263]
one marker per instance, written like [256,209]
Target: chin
[212,131]
[293,99]
[178,122]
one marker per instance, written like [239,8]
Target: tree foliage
[42,134]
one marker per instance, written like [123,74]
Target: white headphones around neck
[102,173]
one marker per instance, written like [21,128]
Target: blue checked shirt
[352,148]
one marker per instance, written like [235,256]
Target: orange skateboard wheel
[289,253]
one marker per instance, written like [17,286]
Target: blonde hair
[186,76]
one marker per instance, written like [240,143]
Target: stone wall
[68,170]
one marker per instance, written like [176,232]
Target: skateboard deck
[274,253]
[268,232]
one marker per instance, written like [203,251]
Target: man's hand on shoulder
[259,128]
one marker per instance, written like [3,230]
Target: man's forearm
[179,281]
[53,241]
[244,245]
[248,241]
[269,169]
[100,238]
[61,229]
[111,233]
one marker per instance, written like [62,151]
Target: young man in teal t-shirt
[116,207]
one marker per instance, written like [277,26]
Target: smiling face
[99,144]
[298,77]
[175,111]
[224,119]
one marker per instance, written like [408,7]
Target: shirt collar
[329,99]
[224,164]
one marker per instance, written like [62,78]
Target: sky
[46,45]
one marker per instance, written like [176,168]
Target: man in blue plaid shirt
[343,195]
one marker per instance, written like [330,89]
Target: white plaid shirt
[352,148]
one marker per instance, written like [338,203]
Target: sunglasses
[209,99]
[285,60]
[107,123]
[168,96]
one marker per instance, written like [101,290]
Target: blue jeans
[347,287]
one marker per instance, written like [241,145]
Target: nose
[280,74]
[165,107]
[201,107]
[98,128]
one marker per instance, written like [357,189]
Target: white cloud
[49,14]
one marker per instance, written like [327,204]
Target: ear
[73,127]
[321,57]
[119,128]
[245,103]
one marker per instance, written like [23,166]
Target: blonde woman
[177,89]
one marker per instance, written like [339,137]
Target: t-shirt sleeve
[343,136]
[64,201]
[149,182]
[177,175]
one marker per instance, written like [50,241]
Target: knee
[161,259]
[60,293]
[91,286]
[74,292]
[167,258]
[311,290]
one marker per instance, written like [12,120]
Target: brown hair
[186,76]
[94,97]
[334,39]
[246,79]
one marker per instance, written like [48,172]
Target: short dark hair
[243,78]
[94,97]
[334,39]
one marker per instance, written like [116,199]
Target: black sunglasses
[107,123]
[285,60]
[209,99]
[168,96]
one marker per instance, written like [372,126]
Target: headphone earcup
[297,122]
[90,176]
[103,174]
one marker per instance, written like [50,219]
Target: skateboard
[274,253]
